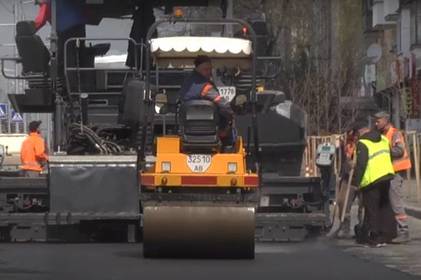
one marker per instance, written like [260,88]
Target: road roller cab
[198,198]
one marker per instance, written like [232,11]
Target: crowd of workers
[378,157]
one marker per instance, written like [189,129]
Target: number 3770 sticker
[199,163]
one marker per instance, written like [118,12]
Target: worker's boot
[345,231]
[403,235]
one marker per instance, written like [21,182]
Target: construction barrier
[413,142]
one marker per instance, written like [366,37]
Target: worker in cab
[33,152]
[373,173]
[199,85]
[401,163]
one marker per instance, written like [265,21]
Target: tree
[320,44]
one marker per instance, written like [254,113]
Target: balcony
[383,10]
[390,10]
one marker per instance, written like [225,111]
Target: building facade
[393,62]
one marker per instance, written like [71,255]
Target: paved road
[311,260]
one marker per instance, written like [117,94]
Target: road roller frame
[172,172]
[198,204]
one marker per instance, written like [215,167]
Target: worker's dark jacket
[197,87]
[362,158]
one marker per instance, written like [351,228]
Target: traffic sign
[16,117]
[3,111]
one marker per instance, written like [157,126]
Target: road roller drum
[199,231]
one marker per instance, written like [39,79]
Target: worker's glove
[240,100]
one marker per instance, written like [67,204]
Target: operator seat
[199,127]
[34,54]
[35,59]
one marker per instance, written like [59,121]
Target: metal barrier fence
[413,140]
[414,149]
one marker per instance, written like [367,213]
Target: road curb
[413,211]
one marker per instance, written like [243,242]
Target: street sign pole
[17,119]
[3,115]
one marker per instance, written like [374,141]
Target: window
[416,23]
[368,15]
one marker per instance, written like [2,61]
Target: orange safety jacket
[33,153]
[210,92]
[350,148]
[403,163]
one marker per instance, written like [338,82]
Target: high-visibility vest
[379,162]
[403,163]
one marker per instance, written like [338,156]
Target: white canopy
[180,51]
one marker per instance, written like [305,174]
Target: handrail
[78,69]
[16,60]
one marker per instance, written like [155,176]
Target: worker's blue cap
[34,125]
[200,59]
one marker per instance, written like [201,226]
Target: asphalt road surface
[310,260]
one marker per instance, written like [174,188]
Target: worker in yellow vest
[373,173]
[401,163]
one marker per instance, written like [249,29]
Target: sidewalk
[403,257]
[413,207]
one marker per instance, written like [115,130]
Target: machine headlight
[166,166]
[232,167]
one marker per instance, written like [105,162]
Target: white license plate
[199,163]
[227,92]
[264,201]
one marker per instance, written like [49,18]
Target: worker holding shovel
[347,193]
